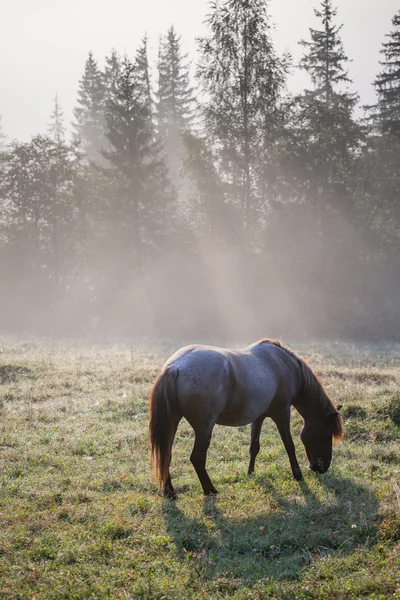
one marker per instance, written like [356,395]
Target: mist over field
[222,196]
[208,201]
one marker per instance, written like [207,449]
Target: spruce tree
[174,106]
[144,192]
[56,129]
[387,83]
[143,74]
[175,101]
[110,74]
[327,132]
[243,80]
[128,122]
[325,59]
[325,141]
[89,112]
[380,185]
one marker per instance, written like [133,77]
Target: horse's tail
[164,415]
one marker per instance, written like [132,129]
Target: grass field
[80,516]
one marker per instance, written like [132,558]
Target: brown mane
[338,431]
[280,345]
[283,347]
[314,389]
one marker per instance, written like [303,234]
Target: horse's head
[317,438]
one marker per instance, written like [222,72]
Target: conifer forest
[172,197]
[198,197]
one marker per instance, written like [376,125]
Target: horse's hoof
[170,494]
[298,475]
[211,493]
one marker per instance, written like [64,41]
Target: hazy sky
[44,44]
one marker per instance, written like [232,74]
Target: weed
[393,408]
[354,410]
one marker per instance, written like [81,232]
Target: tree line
[219,206]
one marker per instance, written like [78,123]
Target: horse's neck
[304,408]
[310,402]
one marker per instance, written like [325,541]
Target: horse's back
[203,381]
[200,367]
[227,386]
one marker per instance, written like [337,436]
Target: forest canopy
[214,206]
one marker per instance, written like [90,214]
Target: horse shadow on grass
[279,543]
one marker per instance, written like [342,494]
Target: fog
[196,221]
[43,45]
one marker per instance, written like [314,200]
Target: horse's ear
[335,411]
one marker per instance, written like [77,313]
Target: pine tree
[139,212]
[243,80]
[135,157]
[56,129]
[328,133]
[387,83]
[324,142]
[380,186]
[174,108]
[128,122]
[325,59]
[89,113]
[143,74]
[110,74]
[175,94]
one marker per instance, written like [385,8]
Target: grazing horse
[208,385]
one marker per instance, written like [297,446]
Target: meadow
[80,515]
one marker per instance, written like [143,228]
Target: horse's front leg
[198,460]
[282,421]
[254,443]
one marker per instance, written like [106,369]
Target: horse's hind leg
[198,459]
[255,442]
[168,490]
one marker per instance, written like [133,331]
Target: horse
[208,385]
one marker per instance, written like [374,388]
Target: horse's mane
[313,389]
[280,345]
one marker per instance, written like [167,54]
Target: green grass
[80,516]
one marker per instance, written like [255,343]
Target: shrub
[394,408]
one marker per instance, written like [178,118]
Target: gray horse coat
[208,385]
